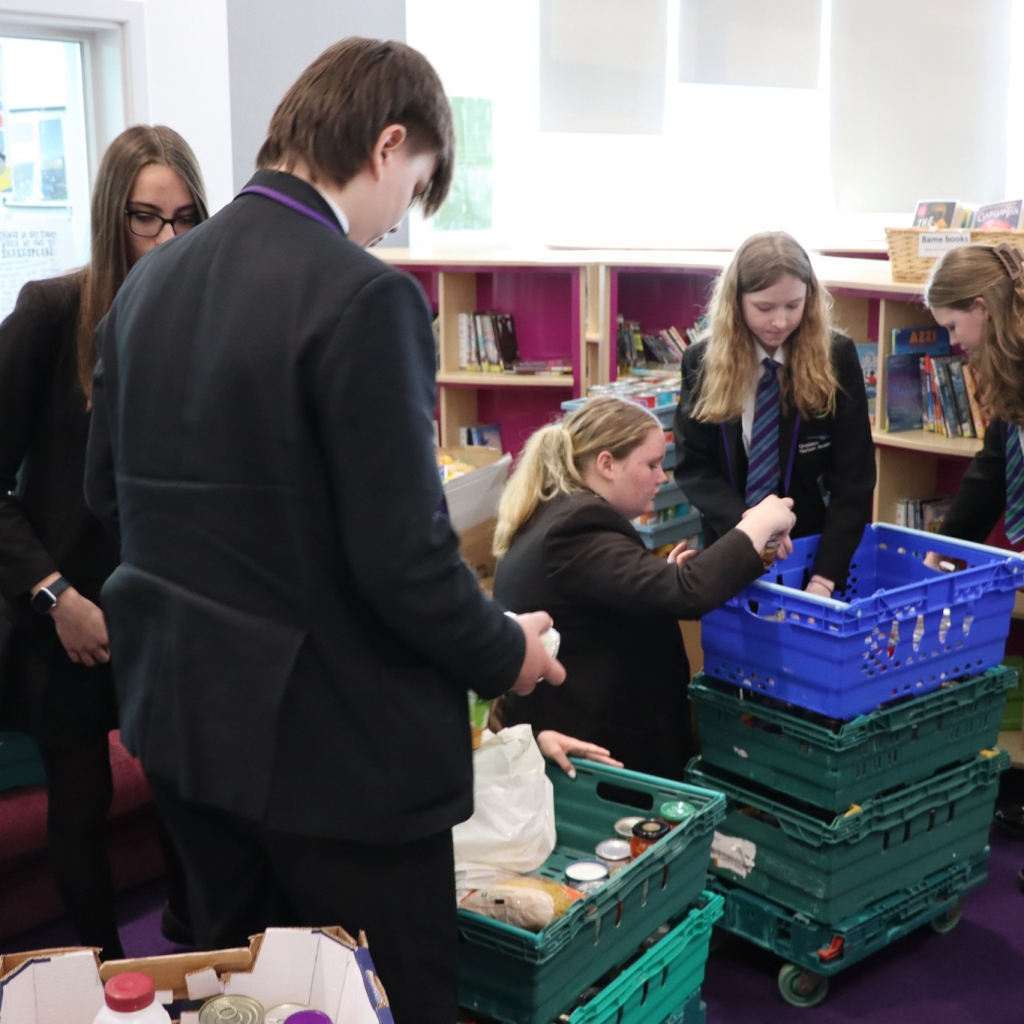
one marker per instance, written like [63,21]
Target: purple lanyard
[789,463]
[293,204]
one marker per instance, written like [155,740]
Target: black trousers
[243,878]
[79,790]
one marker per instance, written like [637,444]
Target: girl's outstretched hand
[558,747]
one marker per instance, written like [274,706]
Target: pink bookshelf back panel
[660,298]
[520,412]
[545,304]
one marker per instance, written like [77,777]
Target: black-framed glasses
[149,225]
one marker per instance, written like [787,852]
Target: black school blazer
[832,457]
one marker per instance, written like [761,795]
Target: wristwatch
[44,600]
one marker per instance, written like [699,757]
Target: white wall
[188,83]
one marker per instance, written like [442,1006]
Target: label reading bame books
[934,243]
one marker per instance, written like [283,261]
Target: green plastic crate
[830,868]
[694,1011]
[20,763]
[799,754]
[523,977]
[829,949]
[661,985]
[1014,709]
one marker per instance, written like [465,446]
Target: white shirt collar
[335,209]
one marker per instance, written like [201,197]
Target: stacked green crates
[836,827]
[521,977]
[1015,700]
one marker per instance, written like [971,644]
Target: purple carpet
[972,975]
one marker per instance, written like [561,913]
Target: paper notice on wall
[732,853]
[31,248]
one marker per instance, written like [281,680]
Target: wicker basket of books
[908,266]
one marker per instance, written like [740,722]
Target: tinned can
[614,853]
[232,1009]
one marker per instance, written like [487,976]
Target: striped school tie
[763,458]
[1014,519]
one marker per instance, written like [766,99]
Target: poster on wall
[31,248]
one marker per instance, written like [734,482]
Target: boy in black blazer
[294,629]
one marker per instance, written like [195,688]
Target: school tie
[1014,519]
[763,458]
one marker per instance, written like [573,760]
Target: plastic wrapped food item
[530,903]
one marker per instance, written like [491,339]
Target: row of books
[928,387]
[923,513]
[666,347]
[488,342]
[952,215]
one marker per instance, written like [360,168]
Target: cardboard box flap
[473,497]
[56,985]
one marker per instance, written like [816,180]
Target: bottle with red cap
[131,999]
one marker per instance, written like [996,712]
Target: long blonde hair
[809,379]
[996,274]
[135,148]
[556,456]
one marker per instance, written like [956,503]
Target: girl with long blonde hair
[566,544]
[774,403]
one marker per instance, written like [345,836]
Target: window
[63,97]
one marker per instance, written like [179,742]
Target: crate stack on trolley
[854,739]
[632,951]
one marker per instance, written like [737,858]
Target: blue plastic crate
[664,984]
[526,977]
[670,494]
[899,629]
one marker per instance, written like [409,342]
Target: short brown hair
[135,148]
[331,118]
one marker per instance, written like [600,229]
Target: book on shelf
[1004,216]
[903,393]
[947,403]
[508,343]
[487,340]
[699,331]
[963,406]
[940,214]
[482,435]
[543,367]
[923,513]
[868,355]
[977,413]
[929,339]
[927,395]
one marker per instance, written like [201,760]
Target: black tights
[79,790]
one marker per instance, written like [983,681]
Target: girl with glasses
[55,677]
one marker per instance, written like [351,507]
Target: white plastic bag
[513,824]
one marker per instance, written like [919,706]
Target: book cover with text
[868,355]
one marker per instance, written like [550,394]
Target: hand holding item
[558,747]
[770,519]
[936,561]
[820,586]
[538,663]
[680,554]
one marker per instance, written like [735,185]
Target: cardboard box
[473,497]
[322,968]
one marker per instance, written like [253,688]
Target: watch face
[43,601]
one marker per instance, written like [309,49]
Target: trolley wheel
[801,987]
[948,919]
